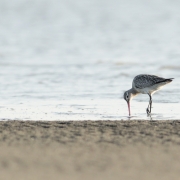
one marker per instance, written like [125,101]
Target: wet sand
[138,150]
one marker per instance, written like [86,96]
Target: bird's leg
[148,110]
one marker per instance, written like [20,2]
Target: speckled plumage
[145,80]
[145,84]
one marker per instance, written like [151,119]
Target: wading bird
[145,84]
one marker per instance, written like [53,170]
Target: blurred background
[72,60]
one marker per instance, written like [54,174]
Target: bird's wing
[144,80]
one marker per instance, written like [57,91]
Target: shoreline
[134,149]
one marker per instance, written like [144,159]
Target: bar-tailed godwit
[145,84]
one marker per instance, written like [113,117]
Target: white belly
[149,90]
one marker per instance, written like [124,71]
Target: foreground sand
[108,150]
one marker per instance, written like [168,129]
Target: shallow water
[66,60]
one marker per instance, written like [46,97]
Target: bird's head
[128,96]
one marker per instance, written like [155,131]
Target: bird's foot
[148,112]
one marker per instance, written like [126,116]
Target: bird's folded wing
[145,80]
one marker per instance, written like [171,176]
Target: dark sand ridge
[138,150]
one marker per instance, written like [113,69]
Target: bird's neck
[133,92]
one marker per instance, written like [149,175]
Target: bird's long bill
[128,103]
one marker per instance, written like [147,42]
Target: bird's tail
[169,80]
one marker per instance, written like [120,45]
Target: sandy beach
[90,150]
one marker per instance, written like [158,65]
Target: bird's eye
[127,97]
